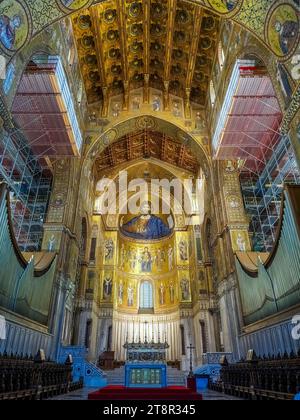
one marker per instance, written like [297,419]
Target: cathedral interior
[96,96]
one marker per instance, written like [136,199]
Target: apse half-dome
[147,226]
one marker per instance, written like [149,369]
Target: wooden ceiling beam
[169,47]
[194,47]
[198,16]
[147,24]
[121,10]
[96,19]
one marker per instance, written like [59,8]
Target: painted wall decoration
[14,25]
[283,30]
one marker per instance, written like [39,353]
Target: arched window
[221,55]
[146,295]
[212,93]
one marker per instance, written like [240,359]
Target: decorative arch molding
[258,17]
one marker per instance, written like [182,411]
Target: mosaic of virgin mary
[146,226]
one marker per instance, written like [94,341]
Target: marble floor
[82,395]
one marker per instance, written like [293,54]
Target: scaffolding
[262,193]
[29,185]
[248,131]
[45,126]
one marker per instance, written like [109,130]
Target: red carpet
[121,393]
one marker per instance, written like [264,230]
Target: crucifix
[146,335]
[191,348]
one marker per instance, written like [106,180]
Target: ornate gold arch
[256,16]
[134,124]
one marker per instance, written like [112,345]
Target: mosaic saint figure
[133,260]
[121,293]
[183,250]
[146,226]
[185,289]
[109,250]
[171,258]
[160,259]
[162,294]
[123,256]
[146,261]
[107,287]
[156,104]
[136,104]
[51,244]
[241,243]
[130,295]
[287,32]
[8,27]
[199,124]
[176,110]
[172,292]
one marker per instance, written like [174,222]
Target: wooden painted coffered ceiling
[147,145]
[169,45]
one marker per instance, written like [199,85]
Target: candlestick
[146,338]
[139,331]
[158,333]
[191,373]
[152,331]
[133,336]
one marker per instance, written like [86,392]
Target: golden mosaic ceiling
[168,45]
